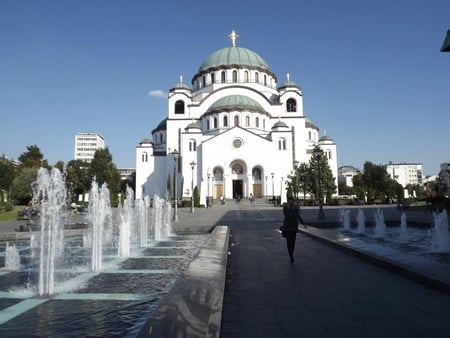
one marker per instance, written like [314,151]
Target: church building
[234,131]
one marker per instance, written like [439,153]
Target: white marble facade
[243,130]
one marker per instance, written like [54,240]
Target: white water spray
[12,257]
[361,222]
[404,235]
[440,241]
[344,216]
[380,225]
[100,217]
[49,191]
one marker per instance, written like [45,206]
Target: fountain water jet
[143,206]
[100,216]
[361,222]
[404,236]
[126,221]
[344,217]
[380,225]
[440,241]
[12,257]
[50,190]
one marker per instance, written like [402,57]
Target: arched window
[236,121]
[212,77]
[179,107]
[215,122]
[223,77]
[282,144]
[257,122]
[207,124]
[247,121]
[246,76]
[309,135]
[204,81]
[256,173]
[192,145]
[291,105]
[144,157]
[235,77]
[218,174]
[265,80]
[161,138]
[237,169]
[225,121]
[257,77]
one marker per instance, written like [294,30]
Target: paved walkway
[325,293]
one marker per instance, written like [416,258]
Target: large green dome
[234,56]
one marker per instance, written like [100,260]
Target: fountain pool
[92,288]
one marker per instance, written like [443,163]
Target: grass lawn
[10,215]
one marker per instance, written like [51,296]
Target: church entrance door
[237,188]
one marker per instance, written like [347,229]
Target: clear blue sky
[372,74]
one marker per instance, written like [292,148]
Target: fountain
[404,235]
[12,258]
[61,286]
[344,217]
[50,191]
[380,225]
[100,220]
[361,222]
[440,241]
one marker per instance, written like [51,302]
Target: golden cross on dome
[233,36]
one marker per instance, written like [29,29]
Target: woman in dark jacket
[292,216]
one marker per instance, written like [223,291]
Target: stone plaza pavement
[334,288]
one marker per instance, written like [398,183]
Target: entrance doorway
[237,188]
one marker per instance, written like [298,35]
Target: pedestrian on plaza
[289,229]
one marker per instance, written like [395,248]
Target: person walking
[291,212]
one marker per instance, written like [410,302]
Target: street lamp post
[192,186]
[273,189]
[208,197]
[319,153]
[176,155]
[281,188]
[265,189]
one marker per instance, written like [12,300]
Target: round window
[237,143]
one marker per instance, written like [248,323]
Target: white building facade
[406,173]
[236,130]
[86,144]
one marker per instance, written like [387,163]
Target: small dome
[280,124]
[288,83]
[325,138]
[235,102]
[146,141]
[192,125]
[181,85]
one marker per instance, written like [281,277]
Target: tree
[7,173]
[104,171]
[322,182]
[22,191]
[375,183]
[78,181]
[298,181]
[32,158]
